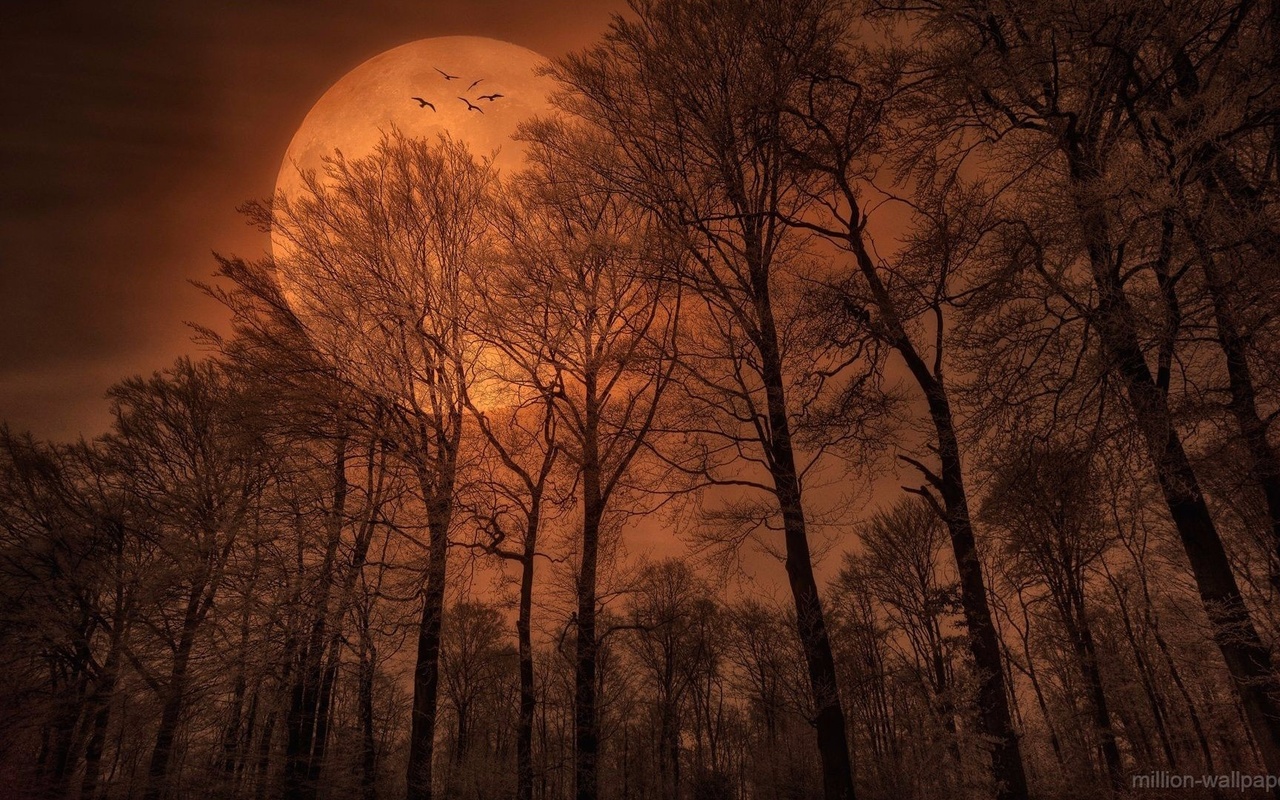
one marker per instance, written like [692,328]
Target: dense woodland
[963,311]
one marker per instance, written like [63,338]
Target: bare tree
[1045,501]
[377,251]
[901,569]
[471,666]
[663,607]
[72,570]
[1050,95]
[841,121]
[588,321]
[1207,81]
[768,242]
[514,501]
[338,485]
[194,469]
[690,97]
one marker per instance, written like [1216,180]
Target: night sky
[130,134]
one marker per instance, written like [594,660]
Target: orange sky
[139,129]
[133,131]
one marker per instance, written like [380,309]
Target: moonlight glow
[378,95]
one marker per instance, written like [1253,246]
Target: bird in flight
[474,83]
[424,103]
[446,75]
[471,107]
[489,97]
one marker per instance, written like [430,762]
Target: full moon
[481,90]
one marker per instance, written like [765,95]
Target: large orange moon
[377,95]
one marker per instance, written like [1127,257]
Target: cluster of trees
[1019,257]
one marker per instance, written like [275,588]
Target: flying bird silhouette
[446,75]
[471,107]
[489,97]
[473,83]
[424,103]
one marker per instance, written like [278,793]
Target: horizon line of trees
[1022,256]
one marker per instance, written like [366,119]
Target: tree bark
[62,735]
[586,735]
[368,736]
[942,682]
[436,467]
[1054,741]
[263,767]
[524,636]
[426,673]
[829,721]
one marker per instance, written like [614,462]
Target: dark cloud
[132,131]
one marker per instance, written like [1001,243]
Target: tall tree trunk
[300,729]
[1015,704]
[586,734]
[436,467]
[524,636]
[368,734]
[463,742]
[104,694]
[426,673]
[1145,676]
[323,716]
[60,751]
[366,669]
[233,733]
[262,783]
[94,748]
[984,645]
[245,765]
[1231,193]
[175,697]
[994,719]
[1202,740]
[102,698]
[829,721]
[1263,463]
[1152,624]
[308,700]
[943,702]
[1024,636]
[233,736]
[669,753]
[1081,635]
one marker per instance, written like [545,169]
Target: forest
[957,316]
